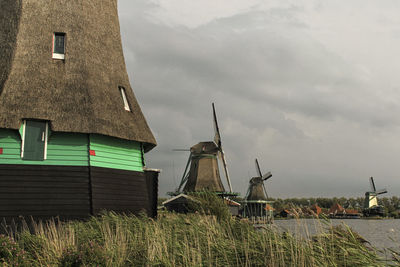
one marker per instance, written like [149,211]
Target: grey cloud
[260,67]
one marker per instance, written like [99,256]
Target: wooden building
[72,134]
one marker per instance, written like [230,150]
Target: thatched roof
[79,94]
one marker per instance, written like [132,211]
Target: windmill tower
[202,171]
[371,206]
[72,135]
[255,202]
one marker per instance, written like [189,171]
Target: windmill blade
[371,181]
[217,140]
[185,174]
[383,191]
[222,155]
[267,176]
[265,190]
[217,136]
[248,191]
[258,170]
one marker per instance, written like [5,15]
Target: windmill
[371,206]
[257,189]
[202,171]
[255,203]
[72,135]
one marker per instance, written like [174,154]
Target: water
[382,234]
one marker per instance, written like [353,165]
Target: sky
[310,88]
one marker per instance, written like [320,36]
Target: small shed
[180,203]
[233,206]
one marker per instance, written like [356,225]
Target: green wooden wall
[71,149]
[115,153]
[64,149]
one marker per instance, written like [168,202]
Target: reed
[183,240]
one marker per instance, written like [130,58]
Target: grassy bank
[179,240]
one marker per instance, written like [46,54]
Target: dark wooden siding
[152,189]
[44,191]
[73,192]
[119,190]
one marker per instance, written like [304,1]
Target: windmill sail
[379,192]
[266,176]
[217,140]
[371,181]
[217,136]
[258,169]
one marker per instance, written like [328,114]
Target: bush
[209,203]
[11,254]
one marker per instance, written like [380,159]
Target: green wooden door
[35,138]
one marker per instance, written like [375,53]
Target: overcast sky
[310,88]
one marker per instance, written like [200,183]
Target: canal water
[382,234]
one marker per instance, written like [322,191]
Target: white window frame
[23,139]
[58,55]
[124,98]
[46,137]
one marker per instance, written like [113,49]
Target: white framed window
[123,95]
[59,45]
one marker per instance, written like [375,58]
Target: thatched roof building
[79,94]
[72,134]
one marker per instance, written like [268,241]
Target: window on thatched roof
[59,45]
[123,94]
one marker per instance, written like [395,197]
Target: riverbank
[180,240]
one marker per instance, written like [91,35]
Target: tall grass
[180,240]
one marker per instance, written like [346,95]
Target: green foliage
[87,254]
[11,253]
[391,205]
[208,203]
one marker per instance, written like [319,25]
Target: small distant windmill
[202,171]
[371,206]
[257,189]
[255,204]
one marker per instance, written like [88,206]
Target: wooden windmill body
[72,134]
[202,169]
[256,200]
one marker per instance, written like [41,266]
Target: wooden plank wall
[115,153]
[44,191]
[119,190]
[152,189]
[63,149]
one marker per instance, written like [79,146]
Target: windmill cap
[204,147]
